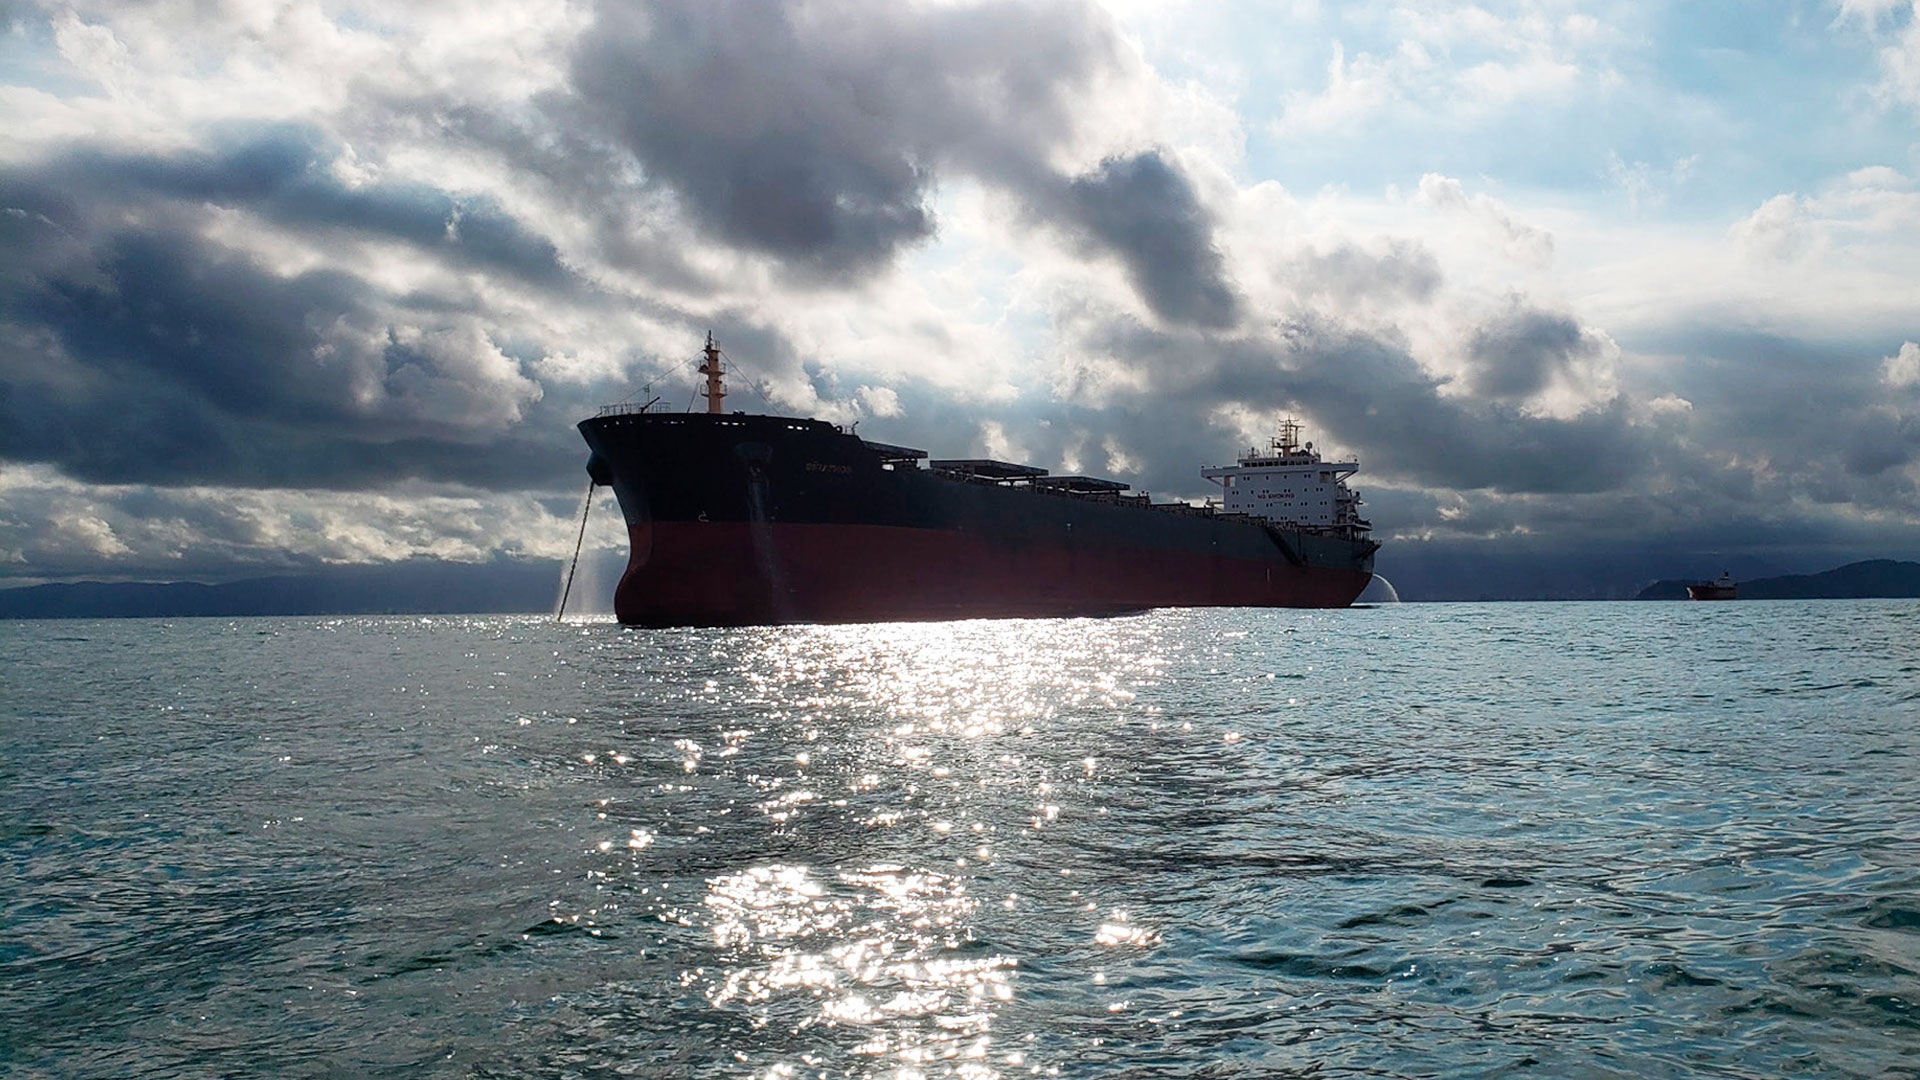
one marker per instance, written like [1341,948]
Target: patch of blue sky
[1793,90]
[30,59]
[1694,112]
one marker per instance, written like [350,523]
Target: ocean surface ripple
[1592,840]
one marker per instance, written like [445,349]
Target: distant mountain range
[427,587]
[1873,578]
[416,587]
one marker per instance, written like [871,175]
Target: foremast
[712,369]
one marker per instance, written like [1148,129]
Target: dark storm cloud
[1145,212]
[1372,396]
[809,132]
[1523,351]
[159,358]
[750,155]
[814,133]
[1811,421]
[591,181]
[282,176]
[1879,440]
[1167,415]
[134,348]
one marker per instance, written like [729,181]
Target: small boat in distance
[1720,588]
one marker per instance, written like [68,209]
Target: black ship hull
[748,520]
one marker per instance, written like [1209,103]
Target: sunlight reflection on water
[905,724]
[1453,839]
[875,947]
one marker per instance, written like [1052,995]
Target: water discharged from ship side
[738,520]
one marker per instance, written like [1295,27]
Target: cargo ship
[1721,588]
[738,520]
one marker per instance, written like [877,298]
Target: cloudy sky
[1603,288]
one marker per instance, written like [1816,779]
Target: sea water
[1602,839]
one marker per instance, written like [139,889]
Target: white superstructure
[1288,484]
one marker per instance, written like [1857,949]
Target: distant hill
[417,587]
[1873,578]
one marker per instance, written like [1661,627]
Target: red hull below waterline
[739,574]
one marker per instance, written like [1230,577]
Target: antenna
[1289,440]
